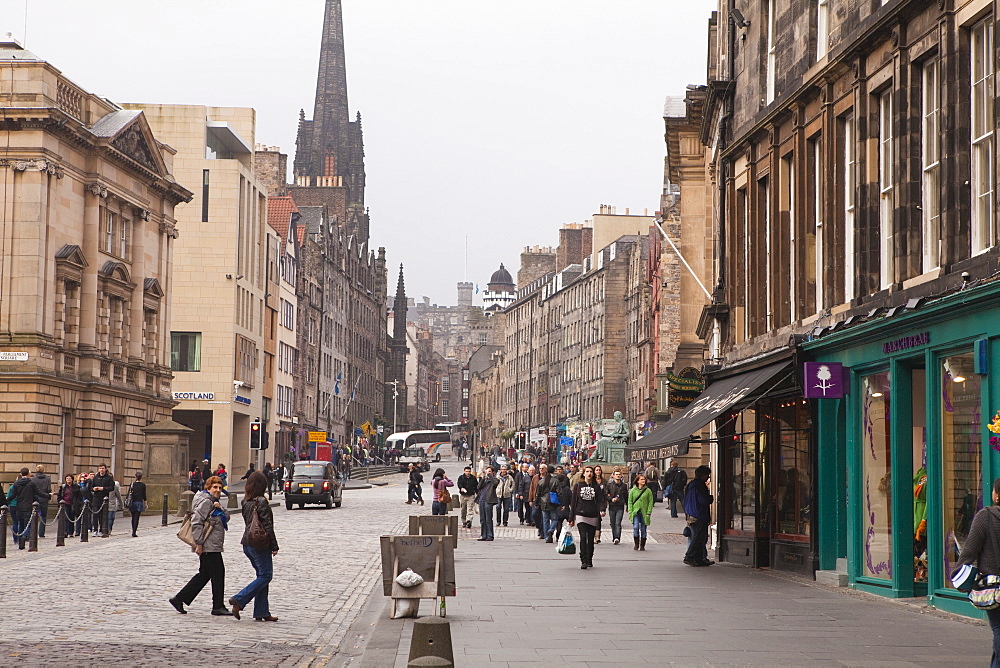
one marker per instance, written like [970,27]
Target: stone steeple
[398,350]
[329,149]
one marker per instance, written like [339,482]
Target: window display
[876,491]
[961,439]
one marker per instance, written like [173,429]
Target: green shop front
[904,458]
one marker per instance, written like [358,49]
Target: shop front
[765,461]
[904,456]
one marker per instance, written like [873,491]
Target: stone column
[93,194]
[138,252]
[166,461]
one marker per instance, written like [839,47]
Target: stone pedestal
[166,461]
[608,453]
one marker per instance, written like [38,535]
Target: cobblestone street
[106,601]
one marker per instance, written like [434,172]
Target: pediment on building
[128,133]
[151,287]
[70,263]
[116,271]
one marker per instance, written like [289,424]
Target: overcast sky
[492,121]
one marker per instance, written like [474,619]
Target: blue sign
[567,441]
[242,400]
[357,431]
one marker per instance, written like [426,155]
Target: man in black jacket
[467,485]
[25,493]
[101,487]
[674,484]
[616,492]
[44,485]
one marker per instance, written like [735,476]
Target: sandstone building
[88,229]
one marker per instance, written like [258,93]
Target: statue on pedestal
[611,446]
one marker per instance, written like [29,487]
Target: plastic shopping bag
[566,544]
[409,579]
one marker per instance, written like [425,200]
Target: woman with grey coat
[209,523]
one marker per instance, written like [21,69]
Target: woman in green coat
[640,507]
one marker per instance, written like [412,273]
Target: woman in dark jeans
[439,483]
[254,500]
[71,495]
[978,549]
[588,506]
[137,502]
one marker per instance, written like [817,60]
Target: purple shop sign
[824,380]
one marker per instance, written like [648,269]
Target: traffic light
[255,440]
[265,439]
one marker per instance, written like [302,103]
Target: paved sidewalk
[520,603]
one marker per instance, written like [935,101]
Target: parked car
[414,455]
[313,482]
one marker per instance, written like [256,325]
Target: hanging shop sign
[684,387]
[824,380]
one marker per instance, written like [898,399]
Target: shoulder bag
[186,532]
[257,535]
[986,592]
[444,496]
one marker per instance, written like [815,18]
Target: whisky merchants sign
[684,387]
[905,342]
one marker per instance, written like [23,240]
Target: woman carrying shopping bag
[640,507]
[587,507]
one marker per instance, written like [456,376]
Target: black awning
[672,439]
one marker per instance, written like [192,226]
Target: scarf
[218,512]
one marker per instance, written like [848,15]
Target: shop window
[961,434]
[746,448]
[876,464]
[794,500]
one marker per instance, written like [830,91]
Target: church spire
[399,311]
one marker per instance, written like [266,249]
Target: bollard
[33,527]
[87,519]
[232,501]
[163,517]
[184,503]
[61,525]
[3,532]
[431,640]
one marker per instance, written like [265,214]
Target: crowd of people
[100,489]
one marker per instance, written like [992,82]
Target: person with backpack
[260,555]
[21,495]
[44,484]
[674,483]
[640,508]
[698,508]
[442,498]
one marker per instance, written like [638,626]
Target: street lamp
[395,395]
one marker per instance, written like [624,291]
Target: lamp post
[395,396]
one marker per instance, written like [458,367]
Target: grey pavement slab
[519,604]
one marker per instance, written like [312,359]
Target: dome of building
[501,277]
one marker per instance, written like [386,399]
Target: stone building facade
[87,216]
[217,321]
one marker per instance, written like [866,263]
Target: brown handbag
[257,535]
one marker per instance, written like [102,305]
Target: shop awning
[673,438]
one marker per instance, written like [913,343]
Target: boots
[642,544]
[597,537]
[636,539]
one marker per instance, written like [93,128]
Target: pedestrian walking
[587,507]
[194,479]
[521,484]
[487,498]
[698,508]
[543,500]
[43,483]
[20,497]
[634,468]
[440,484]
[616,491]
[101,487]
[261,557]
[250,472]
[602,481]
[468,485]
[505,495]
[71,495]
[269,474]
[115,504]
[414,494]
[978,549]
[223,475]
[136,502]
[529,499]
[209,524]
[653,481]
[562,500]
[674,483]
[640,508]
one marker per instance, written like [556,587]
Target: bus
[436,444]
[456,429]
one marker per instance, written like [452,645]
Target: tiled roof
[279,214]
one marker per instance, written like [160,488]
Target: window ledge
[923,278]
